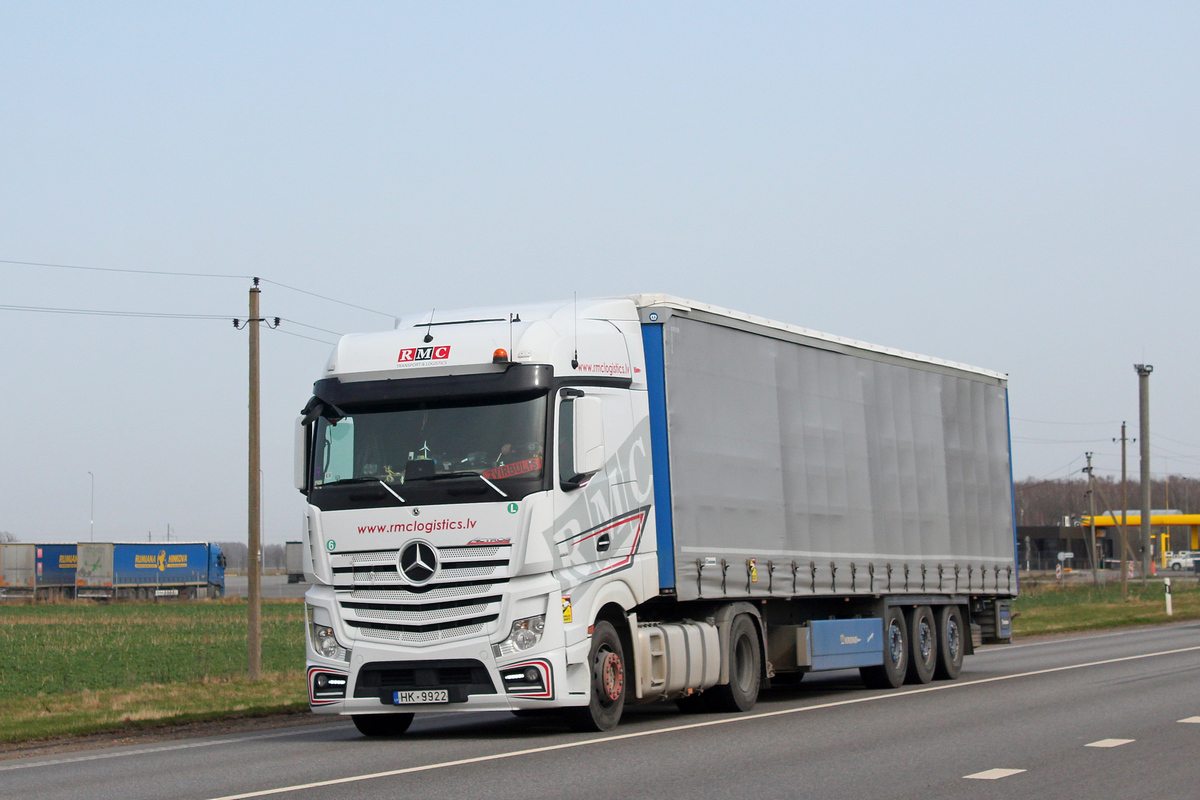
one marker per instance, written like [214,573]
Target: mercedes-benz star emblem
[418,561]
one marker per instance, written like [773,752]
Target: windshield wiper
[351,481]
[440,476]
[459,474]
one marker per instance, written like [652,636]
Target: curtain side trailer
[149,570]
[582,506]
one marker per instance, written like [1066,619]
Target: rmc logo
[439,353]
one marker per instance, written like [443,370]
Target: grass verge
[75,668]
[1049,608]
[78,668]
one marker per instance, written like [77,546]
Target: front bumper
[462,675]
[380,679]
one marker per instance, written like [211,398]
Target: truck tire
[609,681]
[950,643]
[377,725]
[745,669]
[923,645]
[890,674]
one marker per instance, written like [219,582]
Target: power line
[193,275]
[127,270]
[157,315]
[1176,441]
[302,336]
[95,312]
[330,299]
[313,327]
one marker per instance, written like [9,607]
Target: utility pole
[254,533]
[1092,515]
[1124,521]
[1143,371]
[92,524]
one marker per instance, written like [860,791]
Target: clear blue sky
[1014,186]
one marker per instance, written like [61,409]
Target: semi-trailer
[56,570]
[293,559]
[16,569]
[583,505]
[146,571]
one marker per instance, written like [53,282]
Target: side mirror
[300,455]
[588,447]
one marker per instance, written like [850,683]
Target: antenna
[575,360]
[428,334]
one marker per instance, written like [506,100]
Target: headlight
[326,644]
[525,634]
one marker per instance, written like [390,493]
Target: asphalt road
[272,586]
[1114,715]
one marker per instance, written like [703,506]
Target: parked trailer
[583,505]
[146,571]
[56,570]
[293,557]
[16,570]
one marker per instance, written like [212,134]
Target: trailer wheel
[923,645]
[745,669]
[890,674]
[609,682]
[950,643]
[376,725]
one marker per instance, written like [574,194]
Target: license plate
[421,696]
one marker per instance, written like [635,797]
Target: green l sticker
[512,508]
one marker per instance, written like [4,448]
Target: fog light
[326,687]
[530,680]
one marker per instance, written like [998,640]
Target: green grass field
[69,668]
[1079,607]
[78,668]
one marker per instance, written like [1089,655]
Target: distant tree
[273,555]
[235,554]
[5,536]
[1047,502]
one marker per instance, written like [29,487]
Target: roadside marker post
[1170,605]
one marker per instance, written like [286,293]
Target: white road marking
[163,749]
[993,774]
[1109,743]
[1191,719]
[691,726]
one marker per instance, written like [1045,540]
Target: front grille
[462,599]
[460,677]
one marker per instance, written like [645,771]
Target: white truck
[583,505]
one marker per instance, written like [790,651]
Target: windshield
[427,443]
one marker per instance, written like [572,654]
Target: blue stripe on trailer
[652,342]
[1013,493]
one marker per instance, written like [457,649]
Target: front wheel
[379,725]
[608,684]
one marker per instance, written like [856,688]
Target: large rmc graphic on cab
[579,506]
